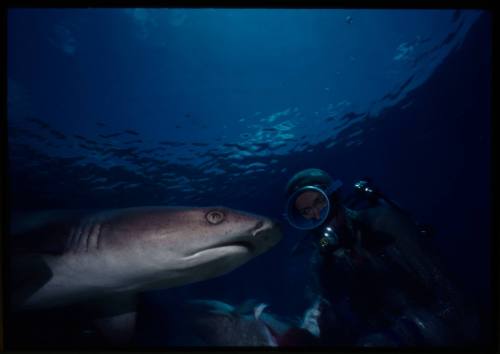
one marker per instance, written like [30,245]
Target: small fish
[39,122]
[57,134]
[131,132]
[80,137]
[110,135]
[133,141]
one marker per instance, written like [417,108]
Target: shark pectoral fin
[119,329]
[28,273]
[115,317]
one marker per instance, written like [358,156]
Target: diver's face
[310,204]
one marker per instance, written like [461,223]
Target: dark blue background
[430,150]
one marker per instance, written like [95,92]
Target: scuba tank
[363,189]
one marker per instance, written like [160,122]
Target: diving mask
[301,219]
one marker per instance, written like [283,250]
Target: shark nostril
[257,227]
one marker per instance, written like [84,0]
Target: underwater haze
[114,108]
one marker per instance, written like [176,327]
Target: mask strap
[333,187]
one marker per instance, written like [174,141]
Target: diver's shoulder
[374,214]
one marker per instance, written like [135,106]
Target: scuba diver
[377,283]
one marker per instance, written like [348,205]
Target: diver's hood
[296,219]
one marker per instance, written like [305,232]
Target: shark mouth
[250,248]
[248,245]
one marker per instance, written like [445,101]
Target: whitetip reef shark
[63,258]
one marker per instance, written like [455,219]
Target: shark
[210,322]
[105,258]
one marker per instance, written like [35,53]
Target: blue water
[123,107]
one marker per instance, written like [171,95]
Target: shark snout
[266,233]
[264,225]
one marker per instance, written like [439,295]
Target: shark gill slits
[71,239]
[215,217]
[78,237]
[88,237]
[84,236]
[93,237]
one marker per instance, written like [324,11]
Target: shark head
[159,247]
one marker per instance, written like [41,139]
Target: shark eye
[214,217]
